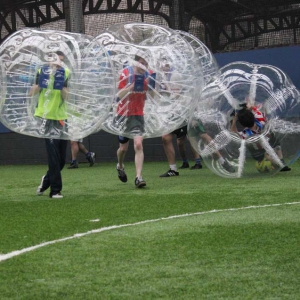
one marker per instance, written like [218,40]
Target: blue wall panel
[285,58]
[3,129]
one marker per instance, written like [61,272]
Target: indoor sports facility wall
[285,58]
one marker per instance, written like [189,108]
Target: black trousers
[56,151]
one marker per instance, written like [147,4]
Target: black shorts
[180,132]
[123,139]
[133,125]
[51,128]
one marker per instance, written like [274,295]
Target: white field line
[78,235]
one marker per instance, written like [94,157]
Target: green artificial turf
[227,240]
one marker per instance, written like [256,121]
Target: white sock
[118,167]
[221,160]
[173,167]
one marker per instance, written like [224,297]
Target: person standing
[52,86]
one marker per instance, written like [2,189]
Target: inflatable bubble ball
[209,65]
[158,76]
[246,122]
[59,85]
[2,81]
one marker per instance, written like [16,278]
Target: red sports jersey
[259,116]
[132,105]
[260,121]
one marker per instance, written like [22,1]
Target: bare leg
[121,152]
[207,140]
[195,153]
[82,148]
[74,150]
[169,148]
[181,148]
[196,156]
[139,155]
[167,140]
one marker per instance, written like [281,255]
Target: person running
[133,87]
[76,147]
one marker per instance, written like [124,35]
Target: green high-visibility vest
[50,103]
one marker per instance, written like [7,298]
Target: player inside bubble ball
[253,121]
[134,84]
[52,88]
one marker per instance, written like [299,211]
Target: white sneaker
[40,189]
[56,196]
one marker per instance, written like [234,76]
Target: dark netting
[198,29]
[227,34]
[94,24]
[265,40]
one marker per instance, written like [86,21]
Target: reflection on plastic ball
[209,65]
[59,84]
[158,76]
[250,121]
[2,81]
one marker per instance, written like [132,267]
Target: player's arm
[124,88]
[35,88]
[65,93]
[151,92]
[65,90]
[233,126]
[151,83]
[125,91]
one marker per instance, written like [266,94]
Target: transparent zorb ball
[54,84]
[245,94]
[158,75]
[2,81]
[209,66]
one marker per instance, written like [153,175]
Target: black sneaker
[73,165]
[91,158]
[121,174]
[185,165]
[196,167]
[285,169]
[40,190]
[139,182]
[228,167]
[170,173]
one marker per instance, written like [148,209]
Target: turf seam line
[7,256]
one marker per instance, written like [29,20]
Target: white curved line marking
[78,235]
